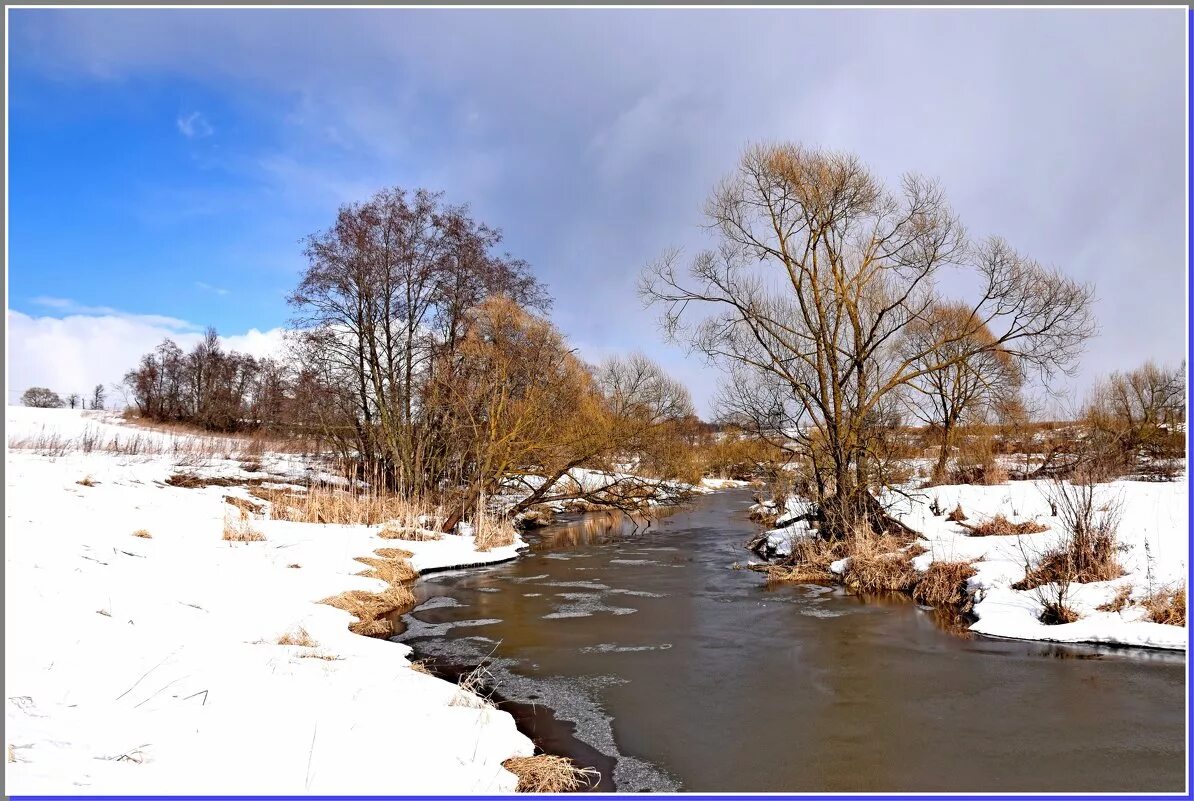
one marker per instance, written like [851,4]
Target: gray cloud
[592,136]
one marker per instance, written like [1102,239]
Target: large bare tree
[819,275]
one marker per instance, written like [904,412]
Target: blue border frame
[855,796]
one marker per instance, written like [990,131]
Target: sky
[165,164]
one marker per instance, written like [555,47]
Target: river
[644,654]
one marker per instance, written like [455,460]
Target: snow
[1153,533]
[142,666]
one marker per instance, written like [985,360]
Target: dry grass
[1119,602]
[395,531]
[492,531]
[238,529]
[86,481]
[391,571]
[809,561]
[944,584]
[348,507]
[298,637]
[143,534]
[420,666]
[544,773]
[878,565]
[320,655]
[370,608]
[999,526]
[393,553]
[246,506]
[957,515]
[294,566]
[1056,613]
[1167,606]
[472,689]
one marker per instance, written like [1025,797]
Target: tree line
[46,398]
[419,354]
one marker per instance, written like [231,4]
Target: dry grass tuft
[1167,606]
[323,656]
[999,526]
[372,628]
[544,773]
[371,608]
[393,553]
[1119,602]
[299,637]
[246,506]
[492,531]
[1056,613]
[472,689]
[395,531]
[957,515]
[420,666]
[143,534]
[878,565]
[87,481]
[391,571]
[294,566]
[944,584]
[240,530]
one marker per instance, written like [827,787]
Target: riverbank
[147,654]
[1152,538]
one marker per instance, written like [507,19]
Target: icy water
[645,655]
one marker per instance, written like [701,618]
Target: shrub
[1088,550]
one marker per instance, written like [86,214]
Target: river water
[644,654]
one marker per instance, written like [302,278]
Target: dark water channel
[645,655]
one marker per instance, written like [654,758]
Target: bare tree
[977,378]
[41,397]
[73,400]
[97,397]
[819,275]
[384,295]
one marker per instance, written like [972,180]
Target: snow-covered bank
[1153,536]
[150,665]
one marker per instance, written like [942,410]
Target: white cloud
[76,352]
[209,288]
[194,125]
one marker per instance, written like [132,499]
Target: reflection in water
[672,671]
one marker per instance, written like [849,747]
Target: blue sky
[164,164]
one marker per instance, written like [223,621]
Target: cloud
[76,352]
[194,125]
[209,288]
